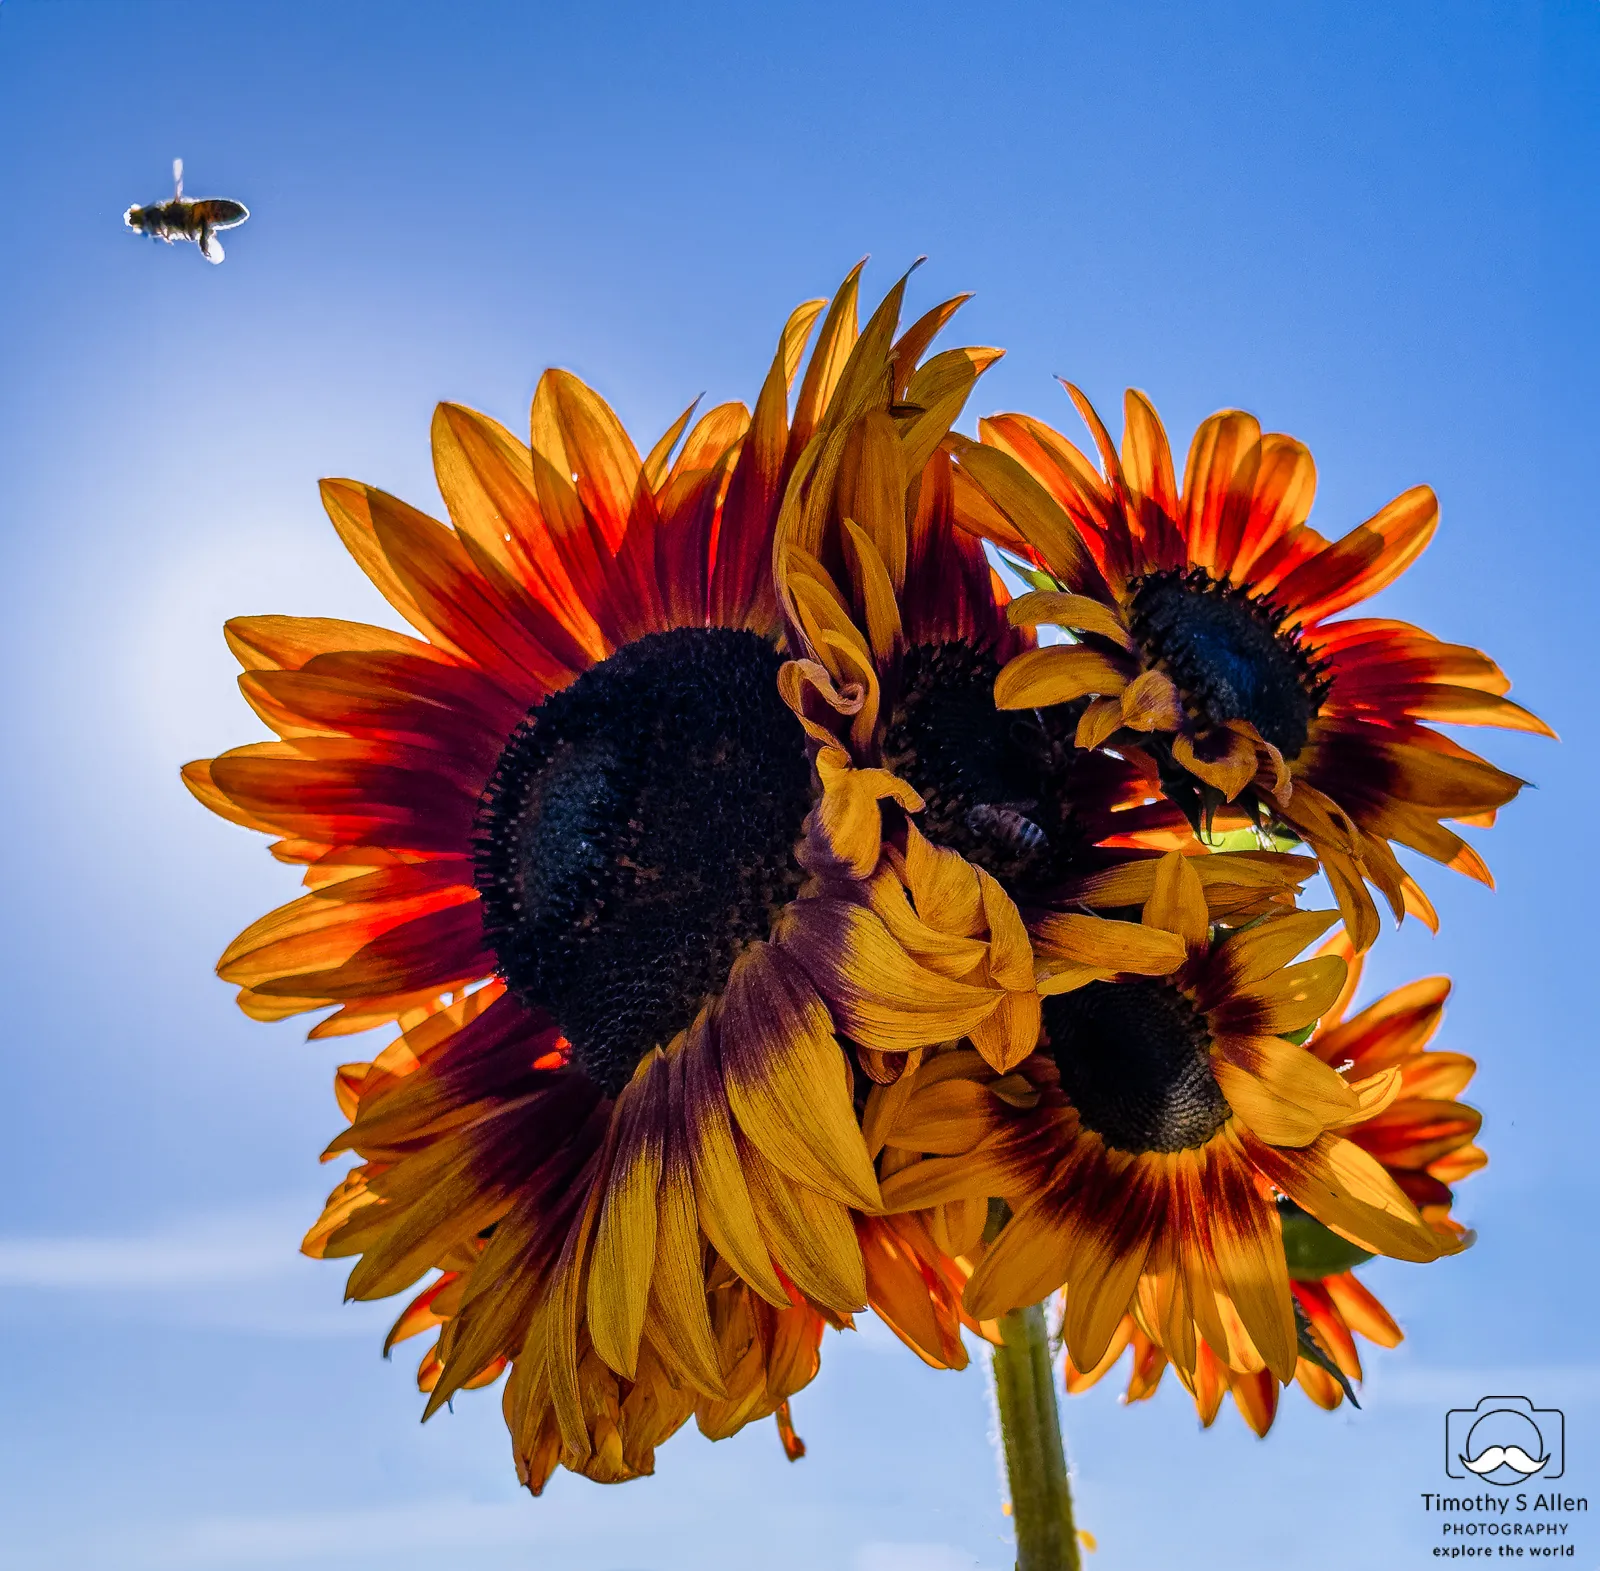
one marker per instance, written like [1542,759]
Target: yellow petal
[1031,509]
[1151,703]
[1349,1191]
[721,1193]
[678,1291]
[975,1176]
[877,591]
[1078,612]
[625,1239]
[886,1104]
[1010,953]
[848,815]
[1027,1263]
[872,490]
[1177,903]
[1105,944]
[1289,1000]
[878,993]
[1247,1244]
[1223,759]
[1057,674]
[940,951]
[1284,1094]
[947,1118]
[788,1084]
[1011,1032]
[1111,1251]
[940,389]
[944,885]
[810,1236]
[1254,954]
[1101,720]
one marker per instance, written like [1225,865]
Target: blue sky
[1374,226]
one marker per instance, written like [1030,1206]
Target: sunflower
[1202,635]
[997,852]
[559,839]
[1424,1139]
[1149,1136]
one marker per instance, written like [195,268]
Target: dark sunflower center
[637,833]
[1134,1059]
[1228,655]
[996,784]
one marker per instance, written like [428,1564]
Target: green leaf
[1312,1351]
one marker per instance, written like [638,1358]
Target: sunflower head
[567,839]
[1198,633]
[1424,1141]
[1143,1148]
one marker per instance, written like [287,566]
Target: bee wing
[220,213]
[210,246]
[177,178]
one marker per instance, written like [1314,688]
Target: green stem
[1036,1462]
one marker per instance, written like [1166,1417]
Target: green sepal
[1034,577]
[1314,1251]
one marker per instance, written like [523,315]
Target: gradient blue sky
[1374,226]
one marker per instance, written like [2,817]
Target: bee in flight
[187,218]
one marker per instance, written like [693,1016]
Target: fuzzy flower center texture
[1134,1058]
[638,833]
[996,784]
[1228,654]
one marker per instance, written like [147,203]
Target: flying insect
[187,218]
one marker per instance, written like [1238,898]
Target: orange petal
[1039,517]
[1219,446]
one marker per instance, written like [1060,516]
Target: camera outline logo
[1504,1440]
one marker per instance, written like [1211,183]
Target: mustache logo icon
[1492,1457]
[1504,1441]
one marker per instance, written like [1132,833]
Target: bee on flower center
[992,782]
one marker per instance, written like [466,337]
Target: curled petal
[1058,674]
